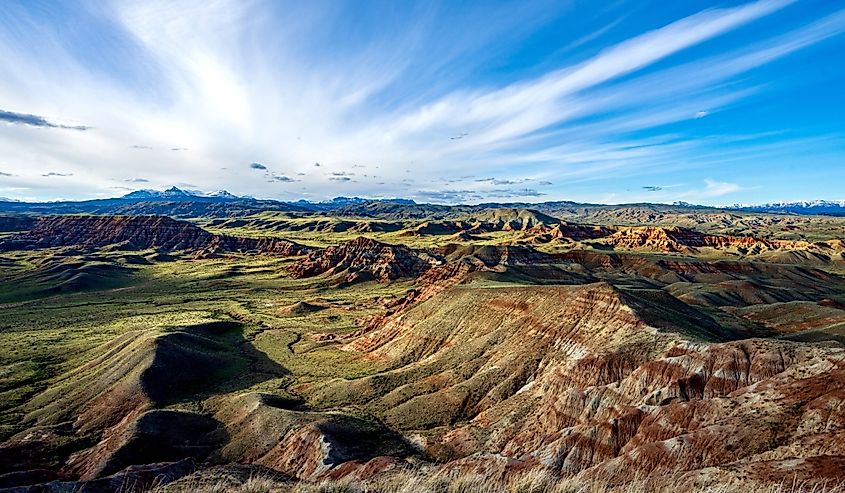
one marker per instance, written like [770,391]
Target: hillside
[495,341]
[590,380]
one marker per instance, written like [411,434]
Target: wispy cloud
[715,188]
[418,92]
[282,179]
[13,118]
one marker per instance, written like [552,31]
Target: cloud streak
[13,118]
[415,92]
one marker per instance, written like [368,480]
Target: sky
[621,101]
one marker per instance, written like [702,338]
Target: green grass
[47,332]
[44,334]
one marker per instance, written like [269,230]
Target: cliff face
[364,259]
[577,232]
[98,231]
[694,407]
[139,232]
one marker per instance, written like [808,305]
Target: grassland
[58,305]
[61,308]
[44,333]
[321,231]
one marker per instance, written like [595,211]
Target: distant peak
[142,194]
[175,191]
[223,194]
[172,193]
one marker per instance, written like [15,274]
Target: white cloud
[215,80]
[718,188]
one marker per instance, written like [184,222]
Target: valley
[641,346]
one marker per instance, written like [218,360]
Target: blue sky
[623,101]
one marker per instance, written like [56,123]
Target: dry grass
[529,482]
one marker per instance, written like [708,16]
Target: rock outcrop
[505,219]
[468,348]
[532,224]
[364,259]
[572,231]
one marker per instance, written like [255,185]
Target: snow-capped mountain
[223,195]
[171,193]
[834,207]
[339,202]
[177,194]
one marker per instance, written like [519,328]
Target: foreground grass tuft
[426,482]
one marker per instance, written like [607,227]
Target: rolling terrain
[633,346]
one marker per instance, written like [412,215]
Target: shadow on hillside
[204,359]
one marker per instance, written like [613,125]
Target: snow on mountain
[836,207]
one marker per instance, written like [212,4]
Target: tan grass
[529,482]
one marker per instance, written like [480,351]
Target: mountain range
[203,204]
[828,207]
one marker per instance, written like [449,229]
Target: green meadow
[46,332]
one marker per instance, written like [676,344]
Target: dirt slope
[466,349]
[596,381]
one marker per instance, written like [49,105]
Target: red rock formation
[576,232]
[594,381]
[364,259]
[677,239]
[140,232]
